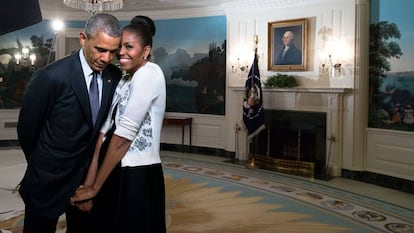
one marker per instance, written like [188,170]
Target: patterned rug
[209,198]
[206,197]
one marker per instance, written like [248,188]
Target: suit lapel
[79,87]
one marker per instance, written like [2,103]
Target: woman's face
[132,54]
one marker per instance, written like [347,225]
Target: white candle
[17,57]
[25,52]
[32,58]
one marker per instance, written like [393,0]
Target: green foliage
[381,49]
[281,80]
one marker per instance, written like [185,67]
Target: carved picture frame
[295,57]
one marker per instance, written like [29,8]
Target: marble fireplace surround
[326,100]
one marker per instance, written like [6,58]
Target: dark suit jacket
[56,132]
[293,56]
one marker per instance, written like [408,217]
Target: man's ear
[82,38]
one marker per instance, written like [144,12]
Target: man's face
[99,50]
[287,39]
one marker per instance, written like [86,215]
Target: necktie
[94,96]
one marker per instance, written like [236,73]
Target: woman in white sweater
[137,114]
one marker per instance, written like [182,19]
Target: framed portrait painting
[287,48]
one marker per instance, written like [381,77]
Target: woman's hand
[85,206]
[83,193]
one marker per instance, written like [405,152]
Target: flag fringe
[256,132]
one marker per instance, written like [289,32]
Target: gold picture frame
[280,32]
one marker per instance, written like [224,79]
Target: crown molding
[253,5]
[225,8]
[127,15]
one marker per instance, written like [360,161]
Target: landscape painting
[22,52]
[190,51]
[192,54]
[391,71]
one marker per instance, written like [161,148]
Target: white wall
[8,120]
[246,21]
[391,153]
[363,149]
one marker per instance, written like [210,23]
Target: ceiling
[141,5]
[157,8]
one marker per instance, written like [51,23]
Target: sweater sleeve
[144,89]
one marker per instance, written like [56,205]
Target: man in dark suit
[290,55]
[56,130]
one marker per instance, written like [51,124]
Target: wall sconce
[333,54]
[238,68]
[239,59]
[333,57]
[331,68]
[25,59]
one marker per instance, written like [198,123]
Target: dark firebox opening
[293,135]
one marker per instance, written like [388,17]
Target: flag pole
[251,163]
[237,128]
[256,41]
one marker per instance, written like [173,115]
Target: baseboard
[9,143]
[380,180]
[198,150]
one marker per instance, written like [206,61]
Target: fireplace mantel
[301,89]
[313,90]
[328,100]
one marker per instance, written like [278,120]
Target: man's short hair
[105,23]
[290,34]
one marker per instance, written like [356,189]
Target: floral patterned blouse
[140,108]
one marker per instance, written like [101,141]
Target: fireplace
[293,142]
[324,106]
